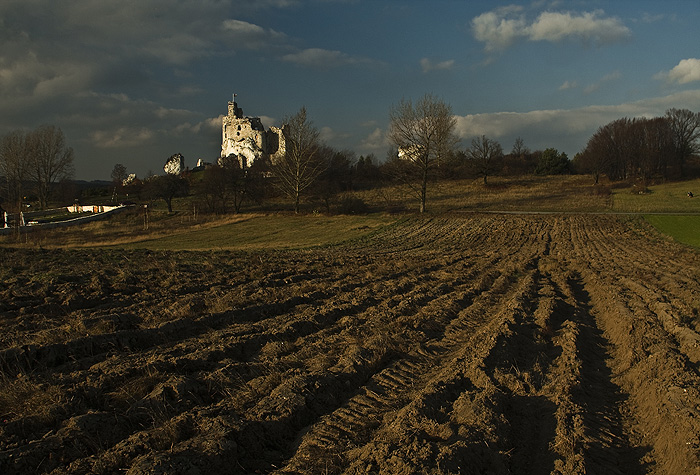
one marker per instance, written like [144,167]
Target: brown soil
[456,344]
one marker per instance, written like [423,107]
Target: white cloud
[121,137]
[33,76]
[500,28]
[565,129]
[323,58]
[615,75]
[428,65]
[568,85]
[169,113]
[651,18]
[376,141]
[69,80]
[498,31]
[244,28]
[687,70]
[249,35]
[210,125]
[590,27]
[267,121]
[327,134]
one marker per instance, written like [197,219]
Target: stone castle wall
[247,140]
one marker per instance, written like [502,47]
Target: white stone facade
[174,165]
[246,139]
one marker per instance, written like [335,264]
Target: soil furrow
[442,344]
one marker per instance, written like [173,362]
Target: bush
[352,205]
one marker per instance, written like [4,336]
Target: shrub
[352,205]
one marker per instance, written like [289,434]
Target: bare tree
[51,160]
[685,126]
[301,165]
[336,177]
[638,148]
[656,147]
[167,187]
[14,166]
[424,135]
[119,174]
[519,148]
[594,159]
[225,184]
[485,155]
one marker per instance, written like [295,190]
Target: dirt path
[459,344]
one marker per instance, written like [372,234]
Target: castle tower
[234,110]
[246,139]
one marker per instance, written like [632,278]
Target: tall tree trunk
[424,190]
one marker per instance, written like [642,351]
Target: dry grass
[258,230]
[23,397]
[124,228]
[527,193]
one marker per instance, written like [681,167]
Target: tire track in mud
[361,412]
[647,361]
[599,438]
[663,387]
[328,440]
[338,431]
[160,369]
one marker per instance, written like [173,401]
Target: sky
[136,81]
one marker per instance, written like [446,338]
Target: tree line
[32,162]
[424,148]
[642,148]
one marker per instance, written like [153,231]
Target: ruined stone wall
[247,139]
[277,145]
[174,165]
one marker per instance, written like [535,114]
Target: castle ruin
[246,140]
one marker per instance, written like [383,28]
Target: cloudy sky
[135,81]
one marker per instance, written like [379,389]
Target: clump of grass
[134,389]
[172,431]
[23,397]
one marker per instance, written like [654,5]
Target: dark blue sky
[135,81]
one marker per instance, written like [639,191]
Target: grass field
[684,229]
[664,198]
[683,221]
[270,232]
[257,228]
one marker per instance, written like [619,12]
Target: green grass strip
[684,229]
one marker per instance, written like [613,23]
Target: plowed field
[530,344]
